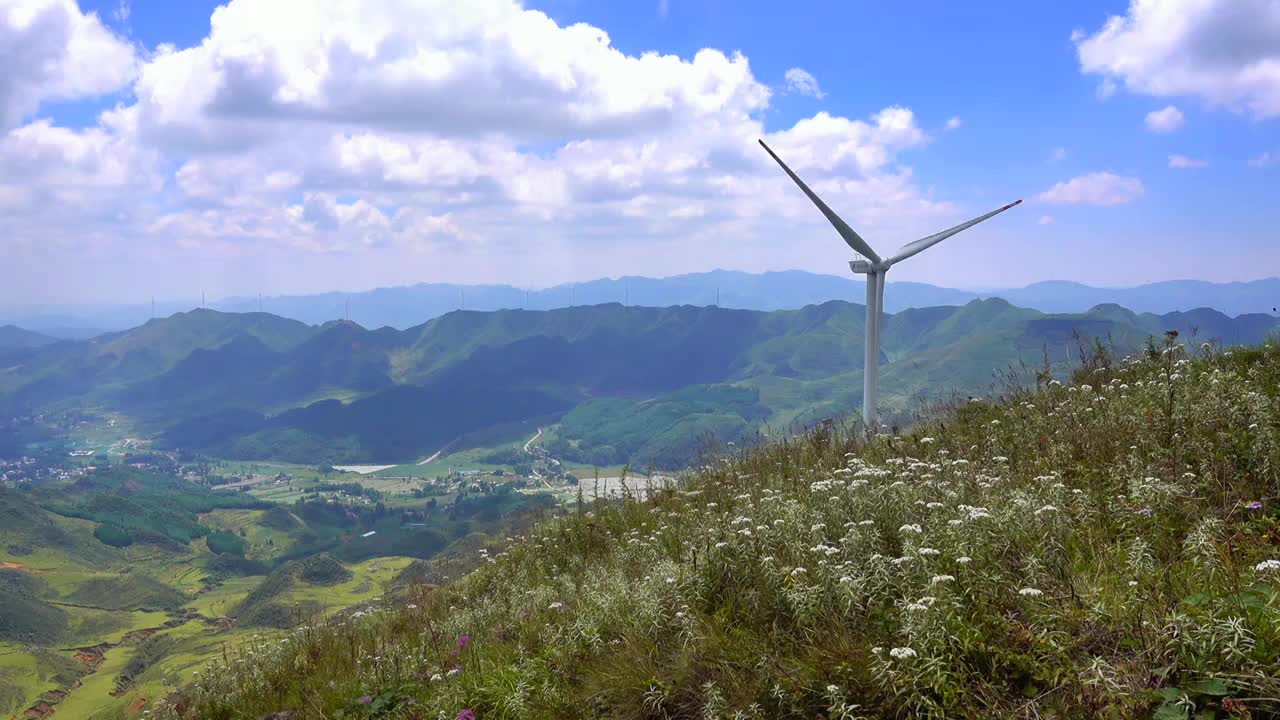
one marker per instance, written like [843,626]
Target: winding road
[532,439]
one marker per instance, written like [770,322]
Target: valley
[213,480]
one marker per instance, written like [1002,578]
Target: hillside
[15,338]
[256,386]
[407,306]
[1106,548]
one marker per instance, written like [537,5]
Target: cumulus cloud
[458,70]
[1224,52]
[50,50]
[1100,188]
[432,128]
[1182,161]
[1165,120]
[801,82]
[952,123]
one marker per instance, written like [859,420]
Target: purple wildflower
[366,700]
[463,640]
[1255,505]
[419,676]
[1144,512]
[466,714]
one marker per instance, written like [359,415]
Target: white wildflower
[1030,592]
[902,653]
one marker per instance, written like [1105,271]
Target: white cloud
[1165,120]
[1045,220]
[459,70]
[1224,52]
[1058,154]
[952,123]
[1264,159]
[1100,188]
[1182,161]
[474,131]
[51,51]
[801,82]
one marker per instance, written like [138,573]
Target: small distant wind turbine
[875,268]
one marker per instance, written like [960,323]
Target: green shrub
[112,535]
[225,542]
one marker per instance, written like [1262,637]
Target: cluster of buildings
[14,472]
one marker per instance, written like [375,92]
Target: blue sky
[384,155]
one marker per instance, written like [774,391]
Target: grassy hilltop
[1108,548]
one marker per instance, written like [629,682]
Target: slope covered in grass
[1105,549]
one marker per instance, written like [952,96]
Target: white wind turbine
[875,267]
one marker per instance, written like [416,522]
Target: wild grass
[1104,548]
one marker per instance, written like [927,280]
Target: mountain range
[615,383]
[408,306]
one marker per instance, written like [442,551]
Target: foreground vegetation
[1104,549]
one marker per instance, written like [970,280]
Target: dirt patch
[14,566]
[135,707]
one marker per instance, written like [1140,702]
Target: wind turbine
[875,268]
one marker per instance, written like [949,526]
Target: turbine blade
[854,240]
[925,243]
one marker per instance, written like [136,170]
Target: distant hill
[13,337]
[621,383]
[406,306]
[1235,298]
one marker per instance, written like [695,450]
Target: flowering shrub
[1104,548]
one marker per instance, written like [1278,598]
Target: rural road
[433,457]
[535,437]
[242,483]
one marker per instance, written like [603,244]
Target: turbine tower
[875,268]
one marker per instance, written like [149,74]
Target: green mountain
[14,338]
[408,305]
[626,384]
